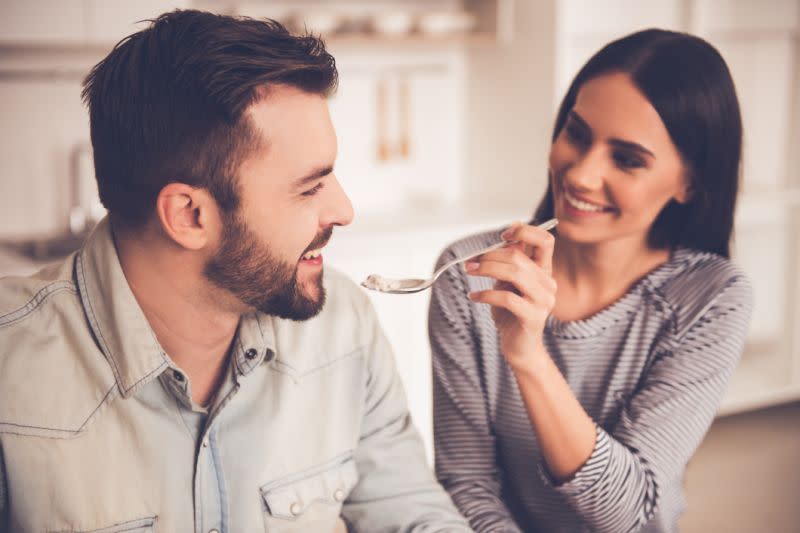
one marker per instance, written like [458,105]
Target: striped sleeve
[464,444]
[663,422]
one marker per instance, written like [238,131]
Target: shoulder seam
[38,299]
[55,433]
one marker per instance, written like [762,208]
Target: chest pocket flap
[328,485]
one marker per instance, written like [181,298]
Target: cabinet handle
[384,149]
[404,146]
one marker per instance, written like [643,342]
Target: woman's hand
[525,291]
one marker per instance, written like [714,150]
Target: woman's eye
[314,190]
[576,135]
[627,161]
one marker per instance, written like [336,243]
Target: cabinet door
[35,188]
[42,22]
[400,137]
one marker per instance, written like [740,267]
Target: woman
[575,374]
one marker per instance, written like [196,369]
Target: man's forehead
[295,131]
[287,114]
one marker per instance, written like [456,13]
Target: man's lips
[314,250]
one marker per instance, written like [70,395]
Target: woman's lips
[576,206]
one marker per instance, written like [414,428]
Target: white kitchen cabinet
[43,122]
[59,23]
[108,21]
[393,153]
[42,22]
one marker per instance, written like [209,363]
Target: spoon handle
[550,224]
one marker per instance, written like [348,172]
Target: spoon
[409,285]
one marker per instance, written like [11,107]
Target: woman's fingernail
[470,266]
[509,231]
[471,296]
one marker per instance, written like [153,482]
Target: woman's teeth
[313,254]
[583,206]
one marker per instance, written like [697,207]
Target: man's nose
[339,211]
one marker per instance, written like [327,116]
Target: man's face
[268,257]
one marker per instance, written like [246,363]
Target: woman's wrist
[533,365]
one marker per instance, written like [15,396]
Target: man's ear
[185,214]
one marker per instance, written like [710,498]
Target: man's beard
[249,270]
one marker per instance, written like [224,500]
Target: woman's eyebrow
[621,143]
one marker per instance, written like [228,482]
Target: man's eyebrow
[313,176]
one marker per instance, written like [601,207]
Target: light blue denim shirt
[98,431]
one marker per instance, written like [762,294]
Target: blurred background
[444,115]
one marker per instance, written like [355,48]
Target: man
[182,371]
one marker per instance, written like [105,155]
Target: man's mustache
[321,239]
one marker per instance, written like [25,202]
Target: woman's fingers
[527,278]
[511,302]
[540,241]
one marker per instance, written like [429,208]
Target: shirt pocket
[140,525]
[311,500]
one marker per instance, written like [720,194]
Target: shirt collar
[122,330]
[255,342]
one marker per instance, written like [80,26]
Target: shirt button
[295,509]
[213,531]
[205,443]
[178,376]
[338,495]
[251,353]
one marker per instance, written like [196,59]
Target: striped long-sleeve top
[650,370]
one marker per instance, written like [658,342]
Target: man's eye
[314,190]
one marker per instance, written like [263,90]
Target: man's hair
[168,104]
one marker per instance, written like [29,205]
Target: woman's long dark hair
[688,83]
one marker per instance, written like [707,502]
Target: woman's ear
[685,191]
[184,214]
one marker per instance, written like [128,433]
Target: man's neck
[190,325]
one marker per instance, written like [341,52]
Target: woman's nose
[587,171]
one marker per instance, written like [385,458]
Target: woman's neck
[591,277]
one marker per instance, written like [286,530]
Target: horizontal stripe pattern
[650,369]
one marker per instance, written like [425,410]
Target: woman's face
[613,166]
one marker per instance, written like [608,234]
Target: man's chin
[312,292]
[308,301]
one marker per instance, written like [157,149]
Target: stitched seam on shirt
[34,303]
[221,488]
[354,353]
[180,416]
[308,473]
[130,525]
[95,325]
[158,369]
[69,431]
